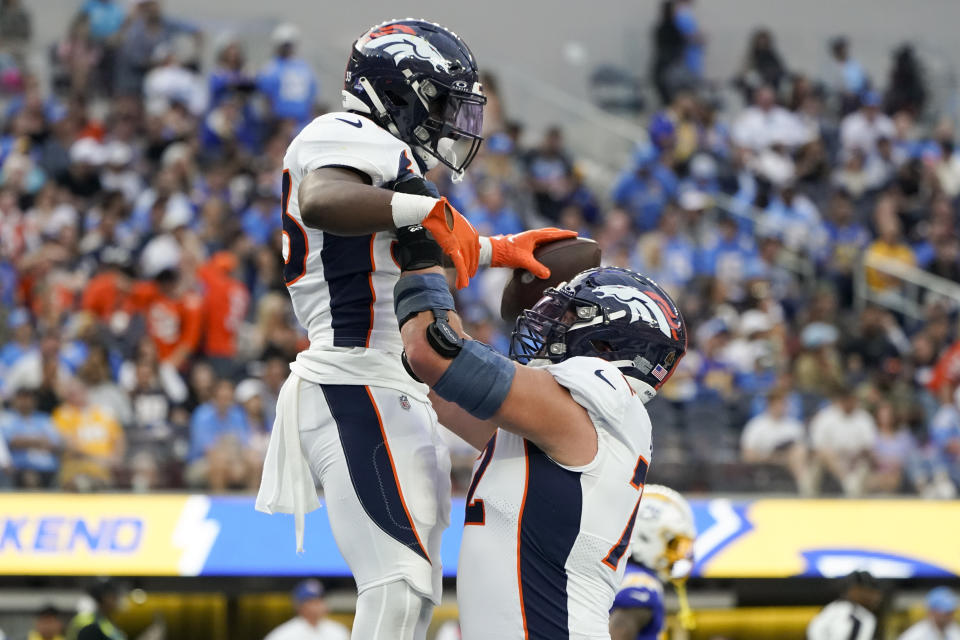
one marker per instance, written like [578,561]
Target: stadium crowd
[145,330]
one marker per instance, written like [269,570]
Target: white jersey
[842,620]
[342,286]
[299,629]
[544,544]
[926,630]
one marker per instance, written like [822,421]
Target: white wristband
[486,251]
[410,208]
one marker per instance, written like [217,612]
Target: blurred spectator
[846,76]
[249,395]
[893,449]
[725,254]
[668,52]
[43,369]
[645,190]
[263,219]
[551,174]
[939,475]
[667,255]
[906,86]
[863,128]
[171,82]
[762,64]
[796,220]
[173,314]
[311,622]
[765,124]
[288,82]
[946,167]
[694,41]
[93,441]
[97,374]
[940,622]
[16,29]
[219,440]
[107,294]
[843,436]
[225,302]
[21,341]
[82,177]
[853,615]
[33,441]
[819,367]
[145,30]
[231,74]
[99,624]
[889,245]
[874,341]
[492,216]
[76,56]
[773,437]
[106,18]
[47,625]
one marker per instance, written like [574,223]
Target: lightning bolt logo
[194,535]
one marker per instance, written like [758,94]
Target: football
[565,259]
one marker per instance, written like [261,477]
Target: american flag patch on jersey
[659,373]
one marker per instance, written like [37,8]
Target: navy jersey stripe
[854,627]
[475,512]
[369,462]
[347,264]
[549,526]
[640,473]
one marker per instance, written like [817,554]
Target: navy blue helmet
[419,81]
[609,313]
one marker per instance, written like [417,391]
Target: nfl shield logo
[404,403]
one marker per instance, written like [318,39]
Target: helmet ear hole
[602,346]
[396,99]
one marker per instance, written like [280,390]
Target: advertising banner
[189,535]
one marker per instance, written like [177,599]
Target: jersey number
[295,245]
[474,513]
[616,551]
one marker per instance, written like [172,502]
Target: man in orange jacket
[225,302]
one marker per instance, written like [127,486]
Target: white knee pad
[392,611]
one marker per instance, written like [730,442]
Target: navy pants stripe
[549,526]
[369,462]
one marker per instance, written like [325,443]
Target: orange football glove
[516,249]
[457,238]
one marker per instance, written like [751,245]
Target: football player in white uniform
[661,550]
[348,415]
[565,441]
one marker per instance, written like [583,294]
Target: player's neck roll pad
[421,292]
[478,380]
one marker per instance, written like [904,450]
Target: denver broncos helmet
[609,313]
[419,81]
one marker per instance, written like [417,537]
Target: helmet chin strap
[381,111]
[642,389]
[645,391]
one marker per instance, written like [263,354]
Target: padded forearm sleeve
[478,380]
